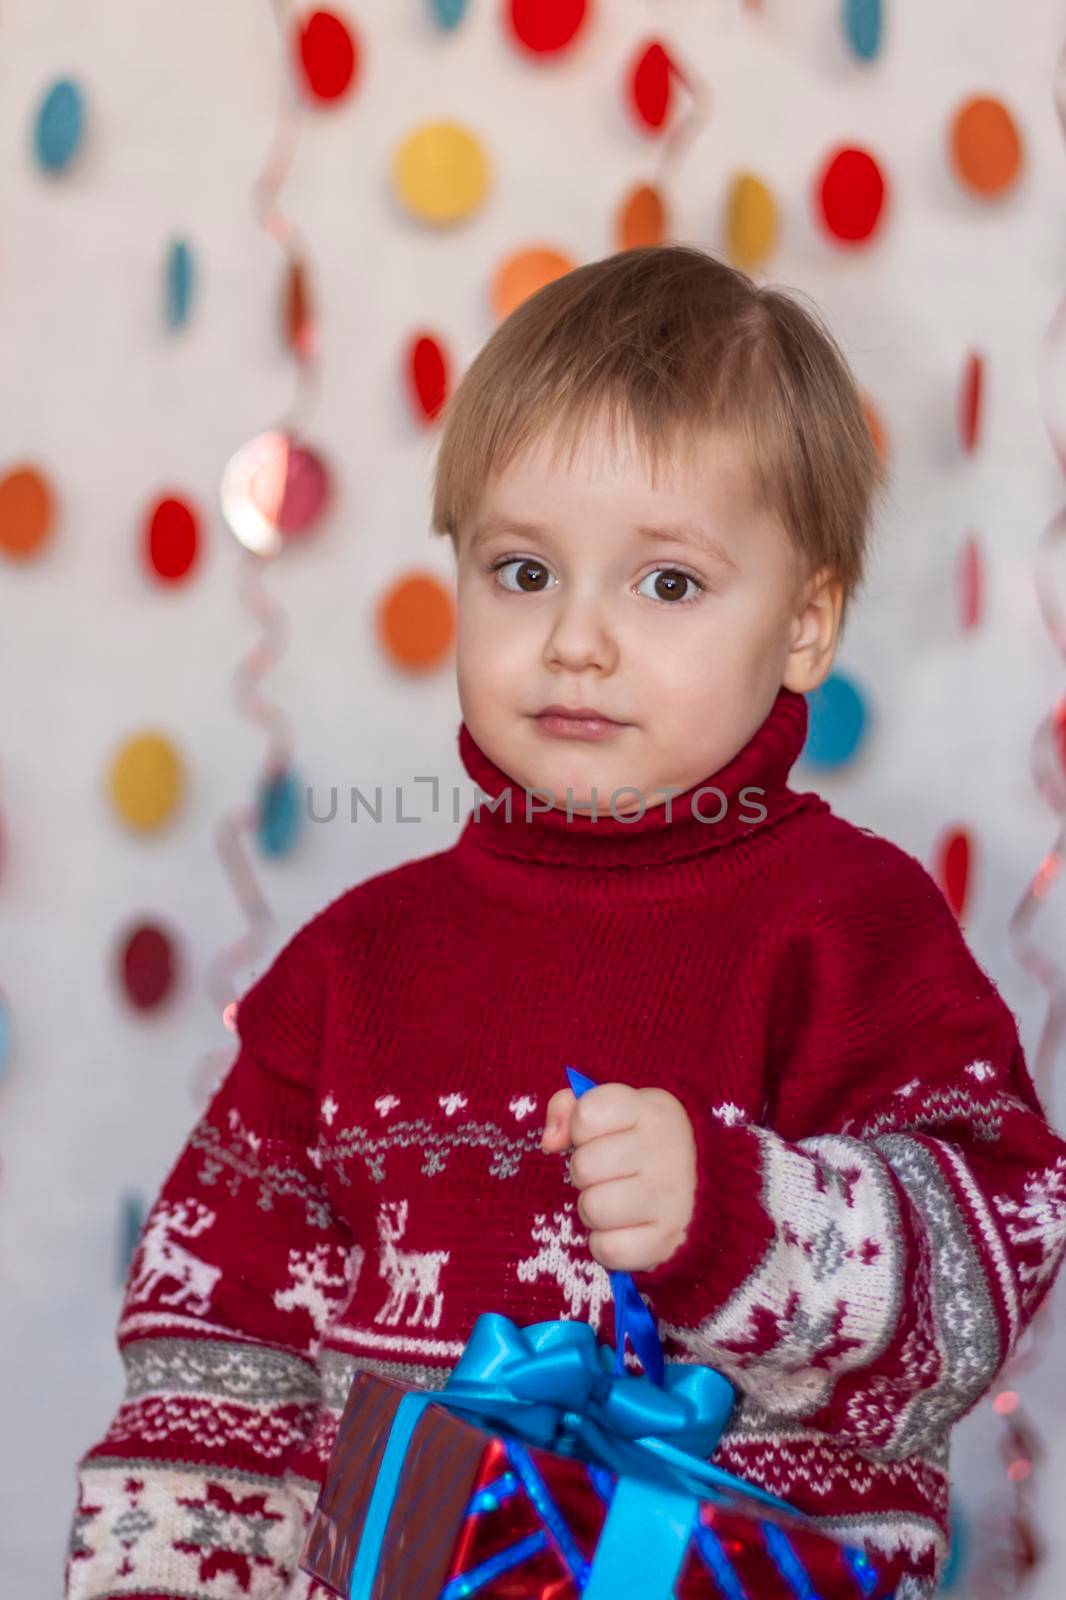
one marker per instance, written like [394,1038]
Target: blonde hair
[668,342]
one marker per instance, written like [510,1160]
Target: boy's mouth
[581,722]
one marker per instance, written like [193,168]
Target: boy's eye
[670,585]
[530,578]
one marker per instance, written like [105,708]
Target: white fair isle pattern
[229,1536]
[163,1256]
[729,1113]
[584,1282]
[413,1276]
[314,1288]
[208,1425]
[384,1104]
[825,1297]
[1038,1223]
[522,1106]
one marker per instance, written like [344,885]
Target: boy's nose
[581,637]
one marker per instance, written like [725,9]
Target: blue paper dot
[279,813]
[862,27]
[449,13]
[837,722]
[180,282]
[60,124]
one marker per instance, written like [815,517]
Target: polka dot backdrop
[214,564]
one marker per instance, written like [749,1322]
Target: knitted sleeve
[866,1258]
[239,1267]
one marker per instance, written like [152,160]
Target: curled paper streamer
[301,340]
[1014,1549]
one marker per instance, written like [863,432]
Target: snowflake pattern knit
[881,1203]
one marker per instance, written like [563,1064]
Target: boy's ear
[815,632]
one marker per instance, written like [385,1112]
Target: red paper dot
[329,55]
[428,371]
[970,583]
[953,868]
[546,25]
[649,86]
[147,966]
[172,539]
[851,194]
[970,395]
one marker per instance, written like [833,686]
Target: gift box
[546,1470]
[421,1502]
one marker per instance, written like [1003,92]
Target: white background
[182,102]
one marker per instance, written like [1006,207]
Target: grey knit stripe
[338,1369]
[253,1374]
[964,1311]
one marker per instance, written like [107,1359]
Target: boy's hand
[634,1161]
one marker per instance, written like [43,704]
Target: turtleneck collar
[667,832]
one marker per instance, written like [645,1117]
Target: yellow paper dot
[440,172]
[751,221]
[522,274]
[146,780]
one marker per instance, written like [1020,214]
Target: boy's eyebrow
[673,532]
[690,533]
[496,524]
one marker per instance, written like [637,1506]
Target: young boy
[815,1141]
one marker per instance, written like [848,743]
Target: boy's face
[566,597]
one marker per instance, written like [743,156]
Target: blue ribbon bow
[553,1385]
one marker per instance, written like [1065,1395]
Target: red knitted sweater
[881,1203]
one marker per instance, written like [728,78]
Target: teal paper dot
[180,283]
[862,27]
[131,1215]
[449,13]
[836,723]
[958,1550]
[279,813]
[60,124]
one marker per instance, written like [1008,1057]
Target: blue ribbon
[553,1385]
[632,1319]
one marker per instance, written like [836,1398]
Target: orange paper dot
[985,146]
[416,621]
[522,274]
[875,426]
[27,512]
[642,219]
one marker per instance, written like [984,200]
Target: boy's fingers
[609,1108]
[557,1121]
